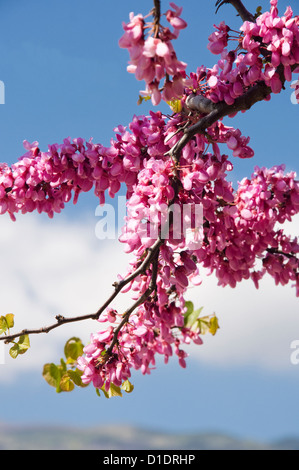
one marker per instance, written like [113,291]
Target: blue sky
[64,75]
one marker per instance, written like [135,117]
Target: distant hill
[124,438]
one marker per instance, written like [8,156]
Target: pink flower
[218,40]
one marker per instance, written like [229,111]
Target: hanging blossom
[264,46]
[153,58]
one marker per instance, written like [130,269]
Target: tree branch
[157,16]
[257,93]
[274,251]
[238,5]
[138,302]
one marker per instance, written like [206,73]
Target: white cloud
[59,267]
[49,268]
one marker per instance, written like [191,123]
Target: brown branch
[274,251]
[138,302]
[157,15]
[216,111]
[257,93]
[238,5]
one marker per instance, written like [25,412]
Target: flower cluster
[45,181]
[219,39]
[244,232]
[153,58]
[267,44]
[280,36]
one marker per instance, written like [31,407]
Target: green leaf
[10,320]
[3,325]
[20,347]
[113,391]
[14,351]
[63,366]
[6,322]
[191,318]
[214,325]
[51,374]
[208,324]
[75,375]
[104,391]
[143,98]
[258,12]
[24,344]
[127,386]
[73,349]
[175,105]
[66,384]
[203,325]
[190,307]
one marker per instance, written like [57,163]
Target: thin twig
[138,302]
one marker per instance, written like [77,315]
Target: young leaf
[214,325]
[14,351]
[190,307]
[10,320]
[208,325]
[258,12]
[73,349]
[143,98]
[104,391]
[50,374]
[20,347]
[3,325]
[113,391]
[127,386]
[175,105]
[192,317]
[75,376]
[203,325]
[66,384]
[63,366]
[23,343]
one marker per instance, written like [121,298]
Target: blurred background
[65,75]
